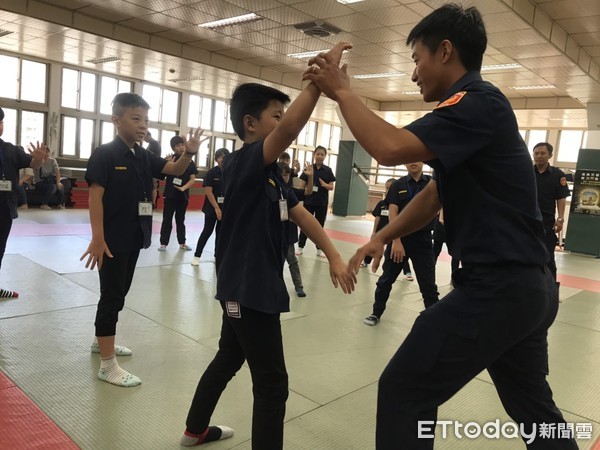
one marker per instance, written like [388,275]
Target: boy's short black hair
[175,140]
[463,27]
[286,156]
[284,168]
[1,114]
[547,145]
[251,99]
[320,147]
[126,100]
[221,152]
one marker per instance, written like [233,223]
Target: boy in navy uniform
[505,298]
[250,256]
[119,175]
[381,212]
[176,197]
[13,158]
[417,246]
[552,193]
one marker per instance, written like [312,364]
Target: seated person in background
[25,177]
[46,180]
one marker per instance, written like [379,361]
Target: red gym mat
[24,426]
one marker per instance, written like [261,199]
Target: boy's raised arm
[297,114]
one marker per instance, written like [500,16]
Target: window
[570,141]
[107,133]
[78,90]
[308,135]
[164,104]
[220,123]
[32,127]
[200,112]
[21,79]
[10,126]
[77,137]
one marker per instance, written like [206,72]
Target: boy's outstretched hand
[341,275]
[373,248]
[193,140]
[326,73]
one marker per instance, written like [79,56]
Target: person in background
[46,180]
[439,237]
[318,202]
[176,197]
[25,180]
[154,148]
[13,158]
[552,193]
[213,204]
[295,167]
[381,212]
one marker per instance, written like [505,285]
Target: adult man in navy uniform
[552,193]
[417,246]
[505,298]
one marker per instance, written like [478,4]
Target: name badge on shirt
[315,188]
[385,212]
[283,210]
[220,199]
[177,181]
[145,208]
[233,310]
[5,185]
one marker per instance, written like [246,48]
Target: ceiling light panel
[379,75]
[231,21]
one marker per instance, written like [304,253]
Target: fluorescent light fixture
[501,67]
[530,88]
[238,20]
[411,92]
[347,2]
[306,55]
[379,75]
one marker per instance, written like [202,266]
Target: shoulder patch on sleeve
[452,100]
[563,181]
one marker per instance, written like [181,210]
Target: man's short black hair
[547,145]
[126,100]
[1,114]
[463,27]
[251,99]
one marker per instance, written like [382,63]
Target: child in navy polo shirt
[250,255]
[120,175]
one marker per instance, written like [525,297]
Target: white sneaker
[320,254]
[409,277]
[299,251]
[196,261]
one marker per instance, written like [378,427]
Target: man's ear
[446,50]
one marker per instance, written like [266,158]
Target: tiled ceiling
[556,43]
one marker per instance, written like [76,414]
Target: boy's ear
[249,122]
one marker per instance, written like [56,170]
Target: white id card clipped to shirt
[283,210]
[177,181]
[144,208]
[220,200]
[5,185]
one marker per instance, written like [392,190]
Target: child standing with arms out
[250,255]
[120,175]
[381,212]
[176,197]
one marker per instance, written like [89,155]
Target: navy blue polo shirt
[252,241]
[402,191]
[321,197]
[382,210]
[12,158]
[127,180]
[176,194]
[484,176]
[551,186]
[213,179]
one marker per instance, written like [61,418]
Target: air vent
[181,80]
[104,60]
[5,32]
[317,28]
